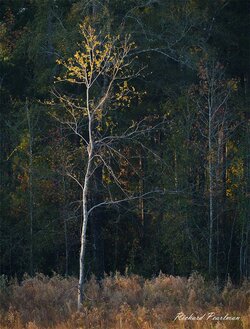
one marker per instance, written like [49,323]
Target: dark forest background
[180,44]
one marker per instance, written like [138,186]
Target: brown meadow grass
[121,302]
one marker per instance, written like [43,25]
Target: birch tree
[215,125]
[88,115]
[30,182]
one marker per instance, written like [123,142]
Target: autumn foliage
[128,302]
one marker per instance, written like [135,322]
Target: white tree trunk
[85,191]
[211,210]
[82,252]
[211,205]
[30,185]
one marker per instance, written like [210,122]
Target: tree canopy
[170,76]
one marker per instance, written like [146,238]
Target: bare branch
[115,202]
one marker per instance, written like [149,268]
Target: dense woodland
[187,171]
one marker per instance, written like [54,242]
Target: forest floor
[123,302]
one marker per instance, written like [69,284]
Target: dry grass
[120,303]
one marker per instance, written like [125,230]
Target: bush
[119,302]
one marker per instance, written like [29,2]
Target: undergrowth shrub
[120,302]
[118,290]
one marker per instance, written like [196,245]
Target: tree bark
[30,185]
[85,215]
[211,205]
